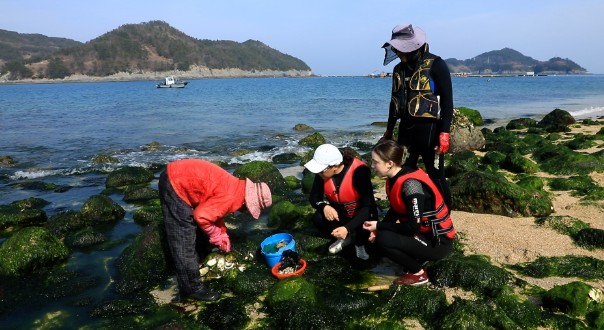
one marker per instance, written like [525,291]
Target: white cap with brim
[325,155]
[405,38]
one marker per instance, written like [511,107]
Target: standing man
[422,98]
[196,194]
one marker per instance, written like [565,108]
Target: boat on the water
[170,82]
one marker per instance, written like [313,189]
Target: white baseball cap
[325,155]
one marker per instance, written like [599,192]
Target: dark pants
[411,252]
[420,138]
[185,239]
[326,227]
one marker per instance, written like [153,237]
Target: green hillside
[154,47]
[509,61]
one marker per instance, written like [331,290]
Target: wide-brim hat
[325,155]
[405,38]
[257,197]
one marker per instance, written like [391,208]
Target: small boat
[170,82]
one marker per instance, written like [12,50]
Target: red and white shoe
[412,279]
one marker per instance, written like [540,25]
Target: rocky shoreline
[196,72]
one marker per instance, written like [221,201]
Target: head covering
[257,197]
[405,38]
[325,155]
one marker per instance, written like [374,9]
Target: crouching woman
[418,227]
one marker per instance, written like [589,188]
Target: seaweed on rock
[480,314]
[473,273]
[583,267]
[419,302]
[227,313]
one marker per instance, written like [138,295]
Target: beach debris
[218,264]
[597,295]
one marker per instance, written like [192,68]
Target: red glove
[443,140]
[222,241]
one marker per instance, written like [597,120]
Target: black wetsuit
[402,242]
[420,135]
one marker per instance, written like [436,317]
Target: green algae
[466,314]
[473,273]
[563,224]
[227,313]
[419,302]
[583,267]
[590,238]
[29,249]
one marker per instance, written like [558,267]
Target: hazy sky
[337,37]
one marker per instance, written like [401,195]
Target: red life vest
[346,196]
[437,222]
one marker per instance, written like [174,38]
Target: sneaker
[202,294]
[339,244]
[412,279]
[361,253]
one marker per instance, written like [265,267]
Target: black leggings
[326,227]
[411,251]
[421,137]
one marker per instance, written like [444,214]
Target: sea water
[54,131]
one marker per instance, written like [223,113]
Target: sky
[340,37]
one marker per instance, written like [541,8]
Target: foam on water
[591,112]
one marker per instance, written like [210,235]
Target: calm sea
[53,131]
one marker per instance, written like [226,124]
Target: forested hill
[509,61]
[152,47]
[21,46]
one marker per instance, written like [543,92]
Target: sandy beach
[516,240]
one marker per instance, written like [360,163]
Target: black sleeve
[414,199]
[316,196]
[443,87]
[361,180]
[392,113]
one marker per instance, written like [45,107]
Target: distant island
[139,52]
[154,49]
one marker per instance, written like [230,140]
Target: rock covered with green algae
[101,209]
[580,231]
[472,273]
[146,262]
[128,175]
[286,215]
[584,267]
[140,194]
[572,298]
[23,213]
[262,171]
[492,193]
[29,249]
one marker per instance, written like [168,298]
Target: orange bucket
[275,270]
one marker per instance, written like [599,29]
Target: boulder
[464,135]
[262,171]
[101,209]
[28,249]
[128,175]
[491,193]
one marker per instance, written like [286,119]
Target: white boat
[170,82]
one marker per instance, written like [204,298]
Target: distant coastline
[196,72]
